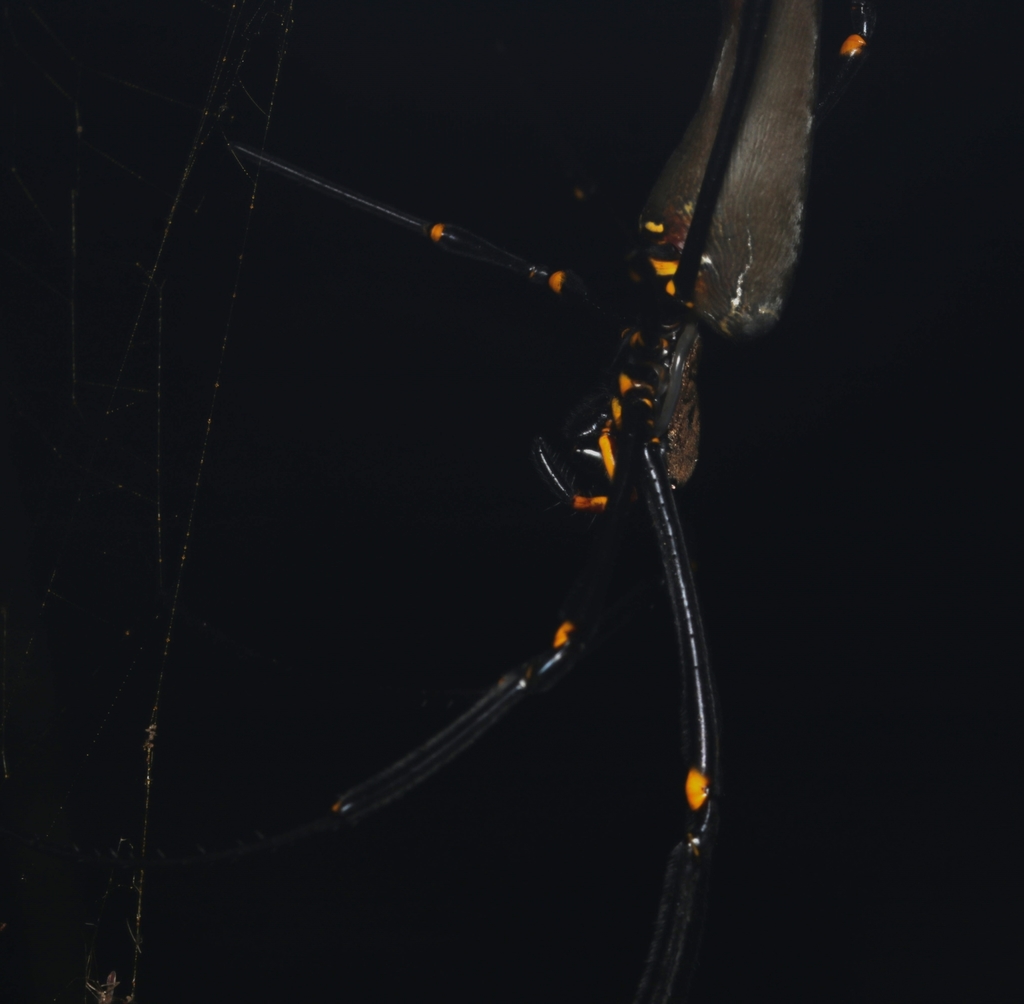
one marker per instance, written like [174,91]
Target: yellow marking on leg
[437,232]
[556,281]
[853,46]
[617,412]
[627,383]
[604,441]
[664,267]
[698,787]
[654,228]
[590,503]
[565,629]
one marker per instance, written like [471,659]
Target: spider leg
[446,236]
[414,768]
[581,617]
[853,52]
[377,791]
[553,470]
[678,925]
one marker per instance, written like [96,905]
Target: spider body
[748,260]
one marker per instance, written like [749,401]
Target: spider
[655,378]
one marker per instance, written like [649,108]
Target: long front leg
[678,926]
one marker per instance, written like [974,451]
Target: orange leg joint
[698,786]
[565,629]
[853,46]
[584,503]
[607,453]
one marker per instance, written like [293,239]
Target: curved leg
[678,926]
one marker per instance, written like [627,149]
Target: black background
[370,547]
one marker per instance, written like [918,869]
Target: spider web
[109,120]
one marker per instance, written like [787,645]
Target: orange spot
[557,281]
[607,453]
[697,787]
[853,46]
[627,383]
[565,629]
[664,267]
[670,288]
[588,503]
[655,228]
[436,232]
[637,338]
[616,412]
[337,806]
[579,194]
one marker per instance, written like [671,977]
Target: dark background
[369,548]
